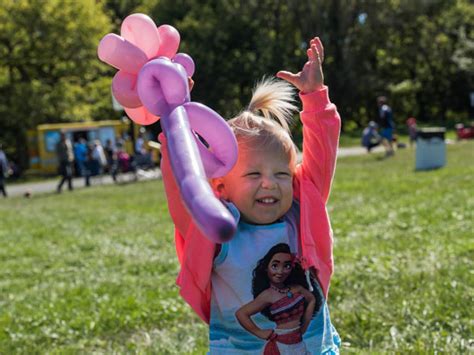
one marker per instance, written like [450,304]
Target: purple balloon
[210,215]
[186,61]
[162,86]
[163,89]
[222,156]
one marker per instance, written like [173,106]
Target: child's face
[279,268]
[260,185]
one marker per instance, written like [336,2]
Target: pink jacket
[312,184]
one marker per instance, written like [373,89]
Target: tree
[49,70]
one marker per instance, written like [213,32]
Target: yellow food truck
[42,141]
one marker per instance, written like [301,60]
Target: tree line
[418,53]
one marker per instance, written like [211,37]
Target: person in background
[412,130]
[140,144]
[123,158]
[386,125]
[80,155]
[370,136]
[111,155]
[98,156]
[3,171]
[65,156]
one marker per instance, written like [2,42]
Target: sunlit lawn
[94,270]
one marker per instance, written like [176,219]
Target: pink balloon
[124,88]
[121,54]
[141,115]
[170,39]
[140,30]
[186,61]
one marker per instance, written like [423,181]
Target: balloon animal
[152,82]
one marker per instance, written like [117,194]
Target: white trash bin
[430,148]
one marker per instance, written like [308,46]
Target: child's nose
[268,182]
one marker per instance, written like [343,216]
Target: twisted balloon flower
[152,82]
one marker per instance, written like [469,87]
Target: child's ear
[219,187]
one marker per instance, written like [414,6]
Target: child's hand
[190,83]
[310,78]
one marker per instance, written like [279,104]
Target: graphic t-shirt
[232,288]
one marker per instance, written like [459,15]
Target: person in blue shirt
[3,171]
[370,136]
[386,125]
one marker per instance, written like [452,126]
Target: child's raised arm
[313,177]
[321,122]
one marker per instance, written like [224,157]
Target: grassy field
[93,271]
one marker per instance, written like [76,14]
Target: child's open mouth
[267,201]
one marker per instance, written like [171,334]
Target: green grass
[403,253]
[353,139]
[93,271]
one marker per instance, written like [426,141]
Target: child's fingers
[286,75]
[190,83]
[162,138]
[312,54]
[319,47]
[316,41]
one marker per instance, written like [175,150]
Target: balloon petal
[169,41]
[124,88]
[186,61]
[141,115]
[121,54]
[140,30]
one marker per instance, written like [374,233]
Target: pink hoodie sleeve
[321,128]
[313,179]
[180,215]
[195,252]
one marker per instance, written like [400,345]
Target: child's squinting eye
[253,174]
[283,174]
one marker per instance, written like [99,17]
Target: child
[412,130]
[274,201]
[280,291]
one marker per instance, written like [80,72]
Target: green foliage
[50,71]
[94,271]
[418,53]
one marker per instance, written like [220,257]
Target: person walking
[3,171]
[386,125]
[65,156]
[111,155]
[80,155]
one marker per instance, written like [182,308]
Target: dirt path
[49,186]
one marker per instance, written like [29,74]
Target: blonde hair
[274,99]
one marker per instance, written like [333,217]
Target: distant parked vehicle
[464,132]
[42,140]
